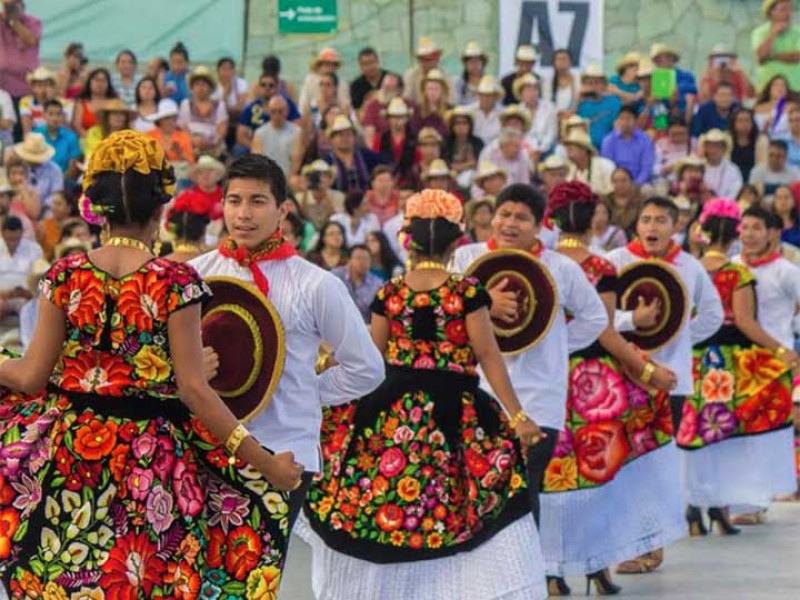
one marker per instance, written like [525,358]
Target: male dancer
[655,228]
[540,374]
[313,306]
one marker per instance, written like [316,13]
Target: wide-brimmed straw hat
[439,77]
[202,73]
[553,163]
[438,168]
[582,140]
[526,53]
[767,6]
[488,85]
[628,60]
[487,169]
[594,71]
[41,74]
[113,105]
[716,136]
[428,135]
[326,55]
[524,81]
[473,50]
[515,111]
[209,163]
[427,47]
[459,111]
[340,123]
[659,48]
[398,108]
[318,166]
[34,149]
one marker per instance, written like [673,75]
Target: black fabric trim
[135,408]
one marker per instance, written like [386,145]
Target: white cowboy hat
[340,124]
[426,47]
[524,81]
[646,67]
[41,74]
[438,168]
[427,135]
[593,70]
[582,140]
[202,73]
[553,163]
[488,85]
[459,111]
[473,50]
[658,49]
[318,166]
[628,60]
[526,53]
[209,163]
[397,108]
[166,108]
[716,136]
[487,169]
[34,149]
[515,111]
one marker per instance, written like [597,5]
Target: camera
[314,180]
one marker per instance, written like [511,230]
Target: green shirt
[788,41]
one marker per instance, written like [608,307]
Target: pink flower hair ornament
[91,213]
[720,207]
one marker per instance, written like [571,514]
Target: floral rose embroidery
[597,392]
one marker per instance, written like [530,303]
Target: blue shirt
[254,116]
[707,118]
[793,157]
[791,236]
[47,179]
[180,83]
[686,86]
[362,294]
[636,154]
[601,114]
[65,144]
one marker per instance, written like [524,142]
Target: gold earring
[157,244]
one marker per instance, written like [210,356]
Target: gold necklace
[715,254]
[571,243]
[187,249]
[430,265]
[127,242]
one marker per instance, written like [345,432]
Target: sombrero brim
[538,297]
[246,332]
[650,280]
[36,159]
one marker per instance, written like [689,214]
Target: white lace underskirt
[640,510]
[748,470]
[506,567]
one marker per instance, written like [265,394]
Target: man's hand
[210,363]
[645,315]
[505,305]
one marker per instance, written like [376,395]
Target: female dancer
[592,510]
[739,420]
[424,487]
[108,483]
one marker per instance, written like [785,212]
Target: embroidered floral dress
[611,420]
[108,487]
[741,389]
[425,466]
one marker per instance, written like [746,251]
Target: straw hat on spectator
[473,50]
[340,124]
[428,135]
[659,49]
[39,267]
[398,108]
[438,76]
[692,161]
[318,166]
[575,121]
[722,50]
[459,111]
[646,67]
[594,71]
[113,105]
[202,73]
[767,6]
[327,55]
[524,81]
[526,53]
[209,163]
[34,149]
[716,136]
[629,60]
[166,108]
[488,86]
[582,140]
[553,163]
[427,47]
[41,74]
[515,111]
[69,245]
[438,168]
[682,202]
[487,169]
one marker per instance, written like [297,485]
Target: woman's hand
[529,433]
[281,470]
[663,379]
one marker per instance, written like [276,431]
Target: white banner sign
[550,25]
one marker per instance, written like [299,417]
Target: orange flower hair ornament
[429,204]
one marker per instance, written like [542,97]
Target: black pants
[676,408]
[298,497]
[538,458]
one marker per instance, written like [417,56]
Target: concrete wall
[694,26]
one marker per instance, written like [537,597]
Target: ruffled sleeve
[55,284]
[378,305]
[186,287]
[475,295]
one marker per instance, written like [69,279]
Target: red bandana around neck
[761,261]
[536,250]
[637,249]
[275,248]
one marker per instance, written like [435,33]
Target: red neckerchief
[536,250]
[760,262]
[637,249]
[275,248]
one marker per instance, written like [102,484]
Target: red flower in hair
[570,192]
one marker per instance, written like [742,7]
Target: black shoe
[695,519]
[602,584]
[556,586]
[724,526]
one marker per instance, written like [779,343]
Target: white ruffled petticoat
[508,566]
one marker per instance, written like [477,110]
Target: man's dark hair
[296,224]
[760,213]
[355,247]
[774,221]
[179,48]
[662,202]
[779,144]
[51,103]
[367,51]
[226,60]
[523,194]
[353,201]
[332,76]
[128,53]
[628,108]
[260,168]
[12,223]
[271,65]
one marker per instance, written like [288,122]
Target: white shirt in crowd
[313,306]
[597,176]
[540,375]
[14,270]
[487,125]
[368,223]
[203,127]
[705,310]
[544,127]
[310,92]
[7,113]
[778,296]
[277,143]
[391,230]
[725,179]
[239,89]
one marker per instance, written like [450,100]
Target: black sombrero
[538,298]
[245,331]
[653,279]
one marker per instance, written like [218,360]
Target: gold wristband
[235,440]
[647,372]
[517,419]
[781,351]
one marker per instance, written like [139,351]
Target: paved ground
[762,562]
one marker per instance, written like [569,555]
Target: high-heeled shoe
[724,526]
[556,586]
[602,584]
[695,519]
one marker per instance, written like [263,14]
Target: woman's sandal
[646,563]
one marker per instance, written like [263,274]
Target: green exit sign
[307,16]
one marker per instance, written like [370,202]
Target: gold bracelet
[781,351]
[235,440]
[518,418]
[647,372]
